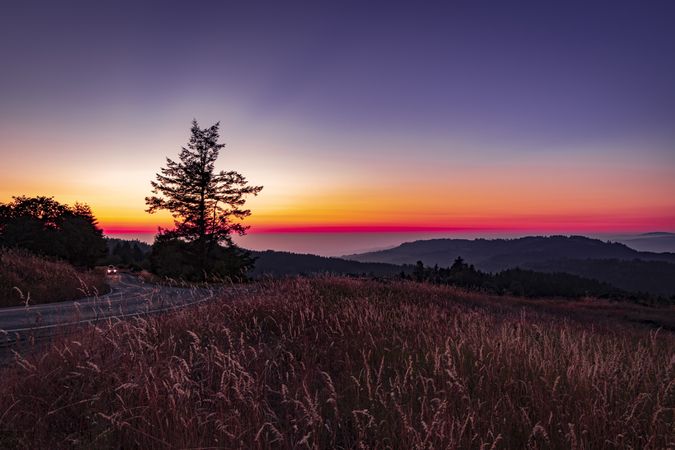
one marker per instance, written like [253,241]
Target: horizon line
[348,229]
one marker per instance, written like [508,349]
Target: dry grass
[26,279]
[339,363]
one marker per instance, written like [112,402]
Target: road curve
[129,297]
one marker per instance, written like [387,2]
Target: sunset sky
[355,116]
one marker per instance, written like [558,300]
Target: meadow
[351,363]
[26,279]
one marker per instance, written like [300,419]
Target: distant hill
[113,243]
[631,276]
[499,254]
[284,263]
[652,242]
[655,277]
[125,252]
[610,262]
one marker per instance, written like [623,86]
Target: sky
[356,117]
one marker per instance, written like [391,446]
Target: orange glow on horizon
[537,193]
[503,224]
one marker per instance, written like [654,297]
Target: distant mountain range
[611,262]
[499,254]
[608,262]
[652,242]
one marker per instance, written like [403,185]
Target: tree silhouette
[207,206]
[47,227]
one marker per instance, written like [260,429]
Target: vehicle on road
[112,270]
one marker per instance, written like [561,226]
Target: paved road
[129,297]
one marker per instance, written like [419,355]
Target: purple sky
[343,94]
[525,72]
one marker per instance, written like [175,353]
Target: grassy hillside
[28,278]
[345,363]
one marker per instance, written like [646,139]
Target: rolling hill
[610,262]
[652,242]
[499,254]
[276,263]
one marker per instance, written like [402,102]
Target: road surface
[129,297]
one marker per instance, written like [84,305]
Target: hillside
[499,254]
[345,363]
[654,277]
[652,242]
[609,262]
[284,263]
[29,279]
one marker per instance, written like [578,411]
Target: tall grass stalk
[26,279]
[342,363]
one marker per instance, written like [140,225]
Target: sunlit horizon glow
[517,118]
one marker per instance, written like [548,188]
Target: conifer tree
[207,206]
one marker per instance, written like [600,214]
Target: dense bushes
[26,278]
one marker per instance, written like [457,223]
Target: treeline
[654,277]
[47,252]
[132,254]
[45,227]
[516,281]
[499,254]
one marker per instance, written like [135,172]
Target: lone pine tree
[207,206]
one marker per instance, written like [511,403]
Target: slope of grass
[344,363]
[28,279]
